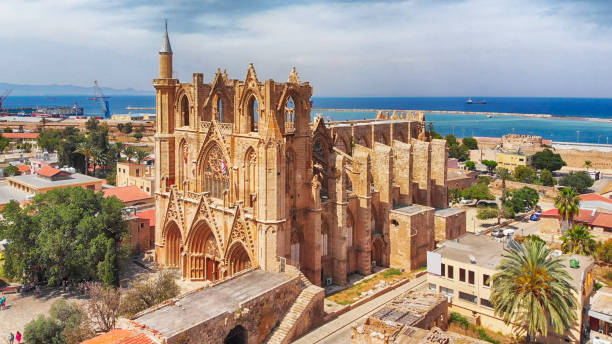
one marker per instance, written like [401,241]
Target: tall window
[461,275]
[220,109]
[290,116]
[216,174]
[471,277]
[253,112]
[486,280]
[349,230]
[450,272]
[251,167]
[185,111]
[295,254]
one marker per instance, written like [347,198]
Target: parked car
[466,201]
[534,217]
[498,233]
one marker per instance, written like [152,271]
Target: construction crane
[4,96]
[99,97]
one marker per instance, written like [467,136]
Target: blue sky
[344,48]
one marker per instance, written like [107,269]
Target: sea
[583,120]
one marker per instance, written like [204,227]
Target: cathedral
[246,178]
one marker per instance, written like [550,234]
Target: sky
[536,48]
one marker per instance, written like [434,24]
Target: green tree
[578,240]
[4,143]
[548,160]
[74,321]
[85,149]
[108,269]
[470,142]
[43,330]
[533,290]
[459,152]
[477,192]
[129,152]
[581,181]
[524,174]
[588,164]
[487,213]
[503,174]
[92,124]
[522,198]
[11,170]
[432,133]
[451,140]
[604,252]
[454,196]
[111,178]
[7,130]
[484,180]
[491,165]
[530,237]
[140,155]
[568,204]
[138,136]
[470,165]
[62,234]
[127,128]
[546,178]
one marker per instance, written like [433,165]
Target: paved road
[339,330]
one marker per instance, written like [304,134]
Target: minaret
[165,56]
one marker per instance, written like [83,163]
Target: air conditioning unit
[328,281]
[449,298]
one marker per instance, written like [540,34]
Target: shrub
[482,334]
[484,180]
[604,251]
[580,181]
[459,320]
[470,142]
[147,292]
[487,213]
[391,272]
[43,330]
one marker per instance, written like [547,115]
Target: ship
[47,111]
[470,101]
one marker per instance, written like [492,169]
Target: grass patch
[347,296]
[457,321]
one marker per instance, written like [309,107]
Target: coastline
[448,112]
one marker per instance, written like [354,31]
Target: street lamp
[577,135]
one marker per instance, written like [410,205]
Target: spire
[165,47]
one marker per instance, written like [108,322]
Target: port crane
[4,96]
[100,97]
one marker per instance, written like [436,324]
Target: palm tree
[587,164]
[96,157]
[129,152]
[533,290]
[568,204]
[85,148]
[578,240]
[119,147]
[504,174]
[141,155]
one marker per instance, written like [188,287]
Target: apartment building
[140,175]
[462,269]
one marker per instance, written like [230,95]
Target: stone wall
[411,236]
[548,191]
[258,317]
[526,143]
[449,227]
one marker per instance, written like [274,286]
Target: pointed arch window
[251,168]
[253,112]
[290,116]
[216,172]
[185,111]
[220,109]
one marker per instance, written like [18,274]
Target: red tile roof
[127,193]
[602,220]
[24,168]
[48,171]
[120,336]
[595,197]
[20,135]
[147,214]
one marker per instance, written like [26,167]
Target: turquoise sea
[570,123]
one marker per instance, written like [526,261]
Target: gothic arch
[238,257]
[288,113]
[213,169]
[362,140]
[221,107]
[203,252]
[343,144]
[350,229]
[172,241]
[378,250]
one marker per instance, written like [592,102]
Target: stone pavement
[339,329]
[20,310]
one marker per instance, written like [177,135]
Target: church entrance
[204,261]
[377,251]
[173,245]
[238,335]
[238,258]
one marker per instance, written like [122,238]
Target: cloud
[381,48]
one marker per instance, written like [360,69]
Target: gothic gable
[174,212]
[241,232]
[204,213]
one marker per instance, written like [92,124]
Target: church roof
[165,47]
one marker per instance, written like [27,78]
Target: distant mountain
[60,90]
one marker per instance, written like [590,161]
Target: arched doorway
[238,335]
[173,245]
[203,254]
[238,258]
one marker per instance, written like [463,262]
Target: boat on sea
[470,101]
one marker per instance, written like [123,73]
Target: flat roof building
[462,270]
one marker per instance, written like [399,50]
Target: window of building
[443,269]
[148,189]
[324,244]
[461,275]
[471,277]
[137,173]
[432,287]
[486,280]
[216,174]
[468,297]
[451,272]
[349,236]
[141,225]
[486,303]
[447,291]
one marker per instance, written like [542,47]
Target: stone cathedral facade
[246,179]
